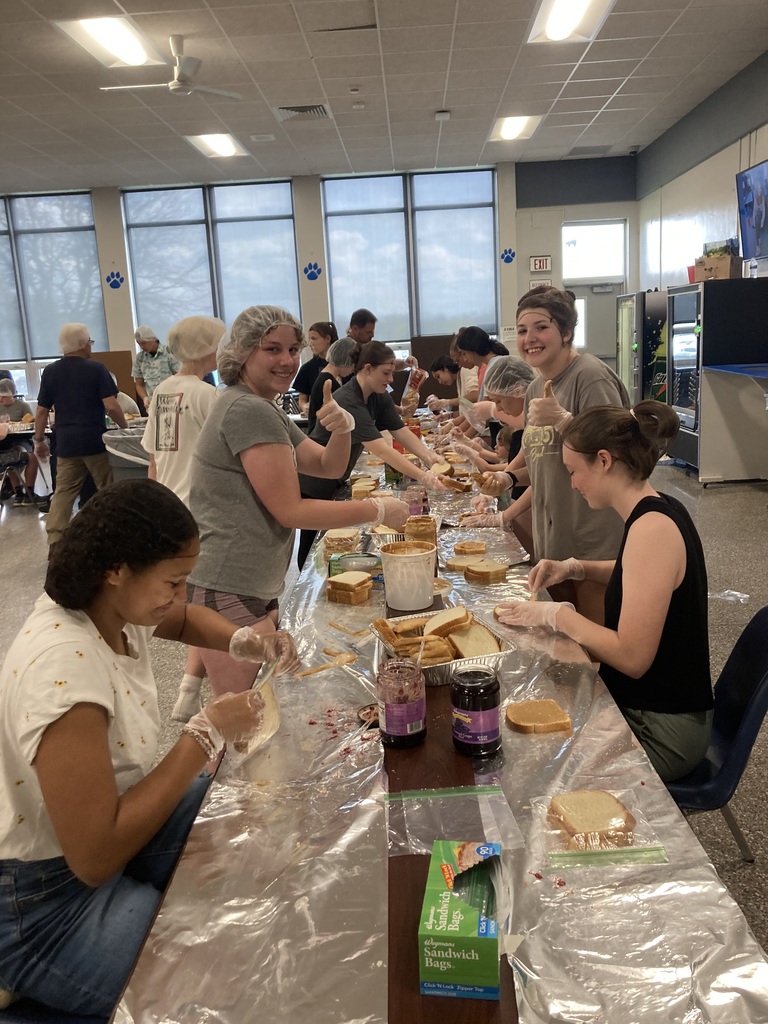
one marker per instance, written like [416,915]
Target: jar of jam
[402,703]
[475,713]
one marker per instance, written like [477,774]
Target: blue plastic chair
[741,702]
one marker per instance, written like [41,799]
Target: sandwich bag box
[344,562]
[709,268]
[458,934]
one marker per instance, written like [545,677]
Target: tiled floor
[732,520]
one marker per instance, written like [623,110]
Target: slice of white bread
[442,469]
[350,580]
[592,818]
[470,547]
[486,571]
[342,533]
[538,716]
[458,485]
[474,641]
[460,562]
[359,595]
[446,621]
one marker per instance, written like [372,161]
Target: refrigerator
[717,359]
[640,344]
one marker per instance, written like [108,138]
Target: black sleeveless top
[679,678]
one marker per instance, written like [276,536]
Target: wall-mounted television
[752,192]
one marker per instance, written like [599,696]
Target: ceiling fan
[184,71]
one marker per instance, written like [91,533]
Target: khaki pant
[70,475]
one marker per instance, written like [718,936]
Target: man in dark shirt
[80,392]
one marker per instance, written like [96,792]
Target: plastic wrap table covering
[278,909]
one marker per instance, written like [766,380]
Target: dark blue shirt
[75,388]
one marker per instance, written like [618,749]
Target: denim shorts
[72,947]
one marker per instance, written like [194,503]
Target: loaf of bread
[538,716]
[592,819]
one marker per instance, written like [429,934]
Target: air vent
[310,112]
[590,150]
[262,138]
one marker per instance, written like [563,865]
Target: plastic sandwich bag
[627,838]
[416,818]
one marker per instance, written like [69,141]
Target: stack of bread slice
[342,540]
[477,569]
[451,634]
[362,487]
[352,587]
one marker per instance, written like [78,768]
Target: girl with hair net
[566,383]
[245,486]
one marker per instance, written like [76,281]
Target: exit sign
[540,264]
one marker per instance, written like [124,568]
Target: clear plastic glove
[231,718]
[390,511]
[433,482]
[477,415]
[483,519]
[530,613]
[412,362]
[335,419]
[548,572]
[481,503]
[547,411]
[431,458]
[249,645]
[432,402]
[495,484]
[467,450]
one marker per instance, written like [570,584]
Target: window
[58,265]
[594,252]
[367,252]
[12,334]
[170,264]
[213,250]
[419,251]
[454,249]
[580,334]
[255,247]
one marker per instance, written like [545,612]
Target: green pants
[674,743]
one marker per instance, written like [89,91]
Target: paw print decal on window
[508,255]
[114,279]
[313,271]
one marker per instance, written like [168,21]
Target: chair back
[741,702]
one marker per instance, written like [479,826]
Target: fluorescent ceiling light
[217,145]
[564,18]
[114,35]
[514,129]
[570,21]
[113,41]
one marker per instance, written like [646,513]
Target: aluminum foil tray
[440,675]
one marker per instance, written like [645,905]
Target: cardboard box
[717,268]
[458,941]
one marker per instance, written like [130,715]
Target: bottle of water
[753,267]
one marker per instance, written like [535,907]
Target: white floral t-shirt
[59,659]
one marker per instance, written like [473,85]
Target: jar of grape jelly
[402,704]
[475,715]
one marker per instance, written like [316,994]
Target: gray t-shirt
[563,523]
[244,549]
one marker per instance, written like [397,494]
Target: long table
[292,902]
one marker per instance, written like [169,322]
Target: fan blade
[187,66]
[122,88]
[217,92]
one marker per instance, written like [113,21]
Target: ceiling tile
[344,44]
[267,19]
[490,34]
[405,13]
[403,63]
[634,26]
[553,53]
[493,57]
[546,73]
[269,48]
[349,67]
[590,70]
[620,49]
[335,14]
[419,40]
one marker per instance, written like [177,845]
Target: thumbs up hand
[547,411]
[330,414]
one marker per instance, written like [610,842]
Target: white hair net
[195,337]
[506,374]
[343,352]
[247,333]
[73,337]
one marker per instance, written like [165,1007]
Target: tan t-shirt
[563,523]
